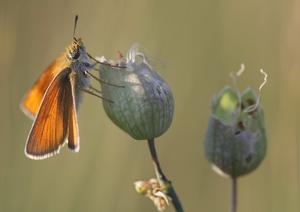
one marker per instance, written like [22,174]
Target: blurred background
[200,42]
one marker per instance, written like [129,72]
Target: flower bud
[143,103]
[235,140]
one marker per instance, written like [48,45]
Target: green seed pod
[235,141]
[144,106]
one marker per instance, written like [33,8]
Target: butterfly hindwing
[73,131]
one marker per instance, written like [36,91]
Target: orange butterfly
[53,101]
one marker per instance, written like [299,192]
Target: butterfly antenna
[75,25]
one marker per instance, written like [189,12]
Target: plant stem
[162,179]
[233,194]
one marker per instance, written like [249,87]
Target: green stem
[162,179]
[233,194]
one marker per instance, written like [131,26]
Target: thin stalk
[162,179]
[233,194]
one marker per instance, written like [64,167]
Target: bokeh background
[200,42]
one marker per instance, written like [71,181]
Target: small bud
[143,103]
[235,142]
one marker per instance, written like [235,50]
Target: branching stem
[162,179]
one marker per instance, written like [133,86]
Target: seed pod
[143,103]
[235,141]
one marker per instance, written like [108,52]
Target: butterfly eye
[75,54]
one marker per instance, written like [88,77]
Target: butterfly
[53,102]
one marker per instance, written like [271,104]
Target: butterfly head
[78,56]
[76,50]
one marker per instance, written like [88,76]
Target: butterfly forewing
[32,100]
[50,128]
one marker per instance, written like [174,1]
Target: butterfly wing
[51,127]
[73,131]
[32,100]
